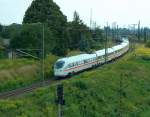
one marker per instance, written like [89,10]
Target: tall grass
[22,72]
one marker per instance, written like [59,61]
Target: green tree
[84,44]
[48,12]
[97,35]
[9,31]
[1,28]
[145,35]
[77,29]
[31,37]
[147,44]
[76,18]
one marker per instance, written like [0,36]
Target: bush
[81,85]
[147,44]
[2,54]
[49,63]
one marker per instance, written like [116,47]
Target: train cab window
[59,64]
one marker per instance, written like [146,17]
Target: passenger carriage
[70,65]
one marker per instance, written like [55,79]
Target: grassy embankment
[22,72]
[93,93]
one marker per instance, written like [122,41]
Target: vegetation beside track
[23,72]
[94,93]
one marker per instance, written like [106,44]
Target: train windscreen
[59,64]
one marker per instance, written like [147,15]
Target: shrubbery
[148,44]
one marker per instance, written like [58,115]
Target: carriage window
[77,63]
[59,64]
[73,64]
[70,65]
[85,61]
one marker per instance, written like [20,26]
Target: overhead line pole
[134,34]
[117,32]
[91,15]
[134,28]
[43,54]
[106,39]
[139,31]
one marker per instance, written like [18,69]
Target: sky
[123,12]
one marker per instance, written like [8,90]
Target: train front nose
[59,69]
[58,72]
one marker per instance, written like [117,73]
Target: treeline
[44,20]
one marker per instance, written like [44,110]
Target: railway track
[29,89]
[21,91]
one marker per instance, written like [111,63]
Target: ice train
[71,65]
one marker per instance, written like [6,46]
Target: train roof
[77,58]
[110,50]
[96,53]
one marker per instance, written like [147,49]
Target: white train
[70,65]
